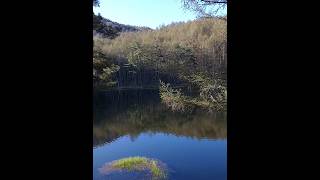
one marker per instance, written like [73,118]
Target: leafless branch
[205,7]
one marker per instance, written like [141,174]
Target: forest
[176,59]
[160,89]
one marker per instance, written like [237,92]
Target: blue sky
[150,13]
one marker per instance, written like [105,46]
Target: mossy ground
[136,164]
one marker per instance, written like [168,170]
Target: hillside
[192,54]
[110,29]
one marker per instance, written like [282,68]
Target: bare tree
[96,2]
[205,8]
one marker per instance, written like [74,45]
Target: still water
[192,145]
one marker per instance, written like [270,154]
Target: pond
[192,145]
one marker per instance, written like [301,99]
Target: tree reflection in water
[120,113]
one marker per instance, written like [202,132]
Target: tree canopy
[207,8]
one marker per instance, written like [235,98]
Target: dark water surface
[192,145]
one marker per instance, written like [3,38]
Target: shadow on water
[122,113]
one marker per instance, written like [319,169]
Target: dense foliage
[103,68]
[192,53]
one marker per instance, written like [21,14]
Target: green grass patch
[130,163]
[137,164]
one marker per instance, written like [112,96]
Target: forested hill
[111,29]
[189,54]
[170,54]
[186,54]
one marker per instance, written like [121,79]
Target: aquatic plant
[136,164]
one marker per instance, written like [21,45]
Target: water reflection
[130,113]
